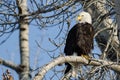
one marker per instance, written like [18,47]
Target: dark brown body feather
[79,40]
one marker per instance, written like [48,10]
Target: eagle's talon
[87,57]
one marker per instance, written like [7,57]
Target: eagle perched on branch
[79,40]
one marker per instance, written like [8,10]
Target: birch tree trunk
[107,38]
[23,35]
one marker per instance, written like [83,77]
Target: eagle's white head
[84,17]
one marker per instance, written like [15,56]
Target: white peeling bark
[24,40]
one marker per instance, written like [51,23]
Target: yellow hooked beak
[79,18]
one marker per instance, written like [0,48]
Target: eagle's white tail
[75,68]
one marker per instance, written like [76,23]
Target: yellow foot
[86,57]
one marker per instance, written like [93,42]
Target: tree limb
[10,64]
[94,62]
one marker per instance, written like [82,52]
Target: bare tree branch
[10,65]
[94,62]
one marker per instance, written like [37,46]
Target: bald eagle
[79,39]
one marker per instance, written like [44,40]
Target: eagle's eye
[82,15]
